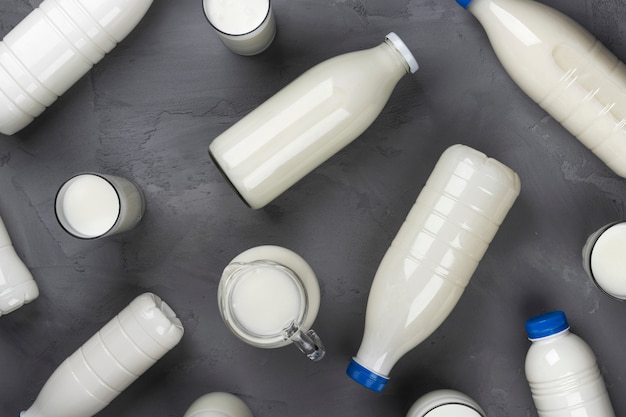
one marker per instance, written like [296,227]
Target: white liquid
[453,410]
[608,260]
[17,286]
[247,27]
[434,254]
[53,47]
[90,205]
[307,122]
[564,378]
[269,298]
[90,378]
[564,69]
[266,300]
[218,404]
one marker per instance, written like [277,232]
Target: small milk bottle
[218,404]
[432,258]
[309,120]
[564,69]
[17,286]
[90,378]
[53,47]
[562,371]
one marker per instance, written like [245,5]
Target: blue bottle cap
[464,3]
[365,377]
[546,325]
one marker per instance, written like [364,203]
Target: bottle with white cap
[432,258]
[218,404]
[564,69]
[309,120]
[53,47]
[562,371]
[445,403]
[103,367]
[17,286]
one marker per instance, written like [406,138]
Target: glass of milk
[246,27]
[269,297]
[90,205]
[604,259]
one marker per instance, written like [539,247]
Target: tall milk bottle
[110,361]
[563,68]
[432,258]
[562,371]
[309,120]
[17,286]
[53,47]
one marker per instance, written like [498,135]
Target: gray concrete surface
[148,112]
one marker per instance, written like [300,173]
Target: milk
[604,260]
[17,286]
[266,300]
[247,27]
[564,69]
[309,120]
[445,403]
[94,205]
[562,372]
[105,365]
[268,297]
[432,258]
[53,47]
[218,404]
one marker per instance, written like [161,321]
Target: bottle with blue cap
[562,371]
[564,69]
[432,258]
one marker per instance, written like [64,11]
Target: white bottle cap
[404,51]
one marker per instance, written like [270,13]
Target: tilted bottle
[129,344]
[432,258]
[53,47]
[17,286]
[309,120]
[563,68]
[218,404]
[562,371]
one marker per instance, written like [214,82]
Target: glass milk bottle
[129,344]
[218,404]
[53,47]
[17,286]
[309,120]
[432,258]
[564,69]
[562,371]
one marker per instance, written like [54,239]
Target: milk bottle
[53,47]
[309,120]
[564,69]
[604,261]
[445,403]
[432,258]
[17,286]
[110,361]
[562,371]
[218,404]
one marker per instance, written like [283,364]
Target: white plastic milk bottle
[432,258]
[110,361]
[562,371]
[53,47]
[218,404]
[309,120]
[17,286]
[564,69]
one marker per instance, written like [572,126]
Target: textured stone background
[148,112]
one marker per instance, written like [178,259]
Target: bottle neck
[389,46]
[552,337]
